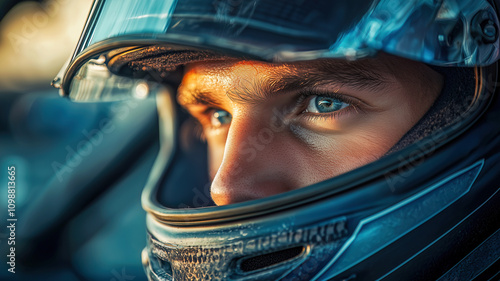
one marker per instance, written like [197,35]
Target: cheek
[333,155]
[351,155]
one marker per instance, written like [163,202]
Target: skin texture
[274,139]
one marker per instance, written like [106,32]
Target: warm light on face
[271,128]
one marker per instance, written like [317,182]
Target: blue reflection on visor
[132,17]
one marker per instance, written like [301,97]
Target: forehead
[245,81]
[368,68]
[263,77]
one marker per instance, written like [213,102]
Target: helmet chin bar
[269,256]
[290,245]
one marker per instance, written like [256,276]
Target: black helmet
[426,210]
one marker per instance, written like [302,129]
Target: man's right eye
[220,118]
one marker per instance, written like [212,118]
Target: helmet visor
[438,32]
[443,33]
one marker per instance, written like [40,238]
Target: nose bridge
[249,134]
[248,169]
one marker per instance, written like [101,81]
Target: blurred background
[80,167]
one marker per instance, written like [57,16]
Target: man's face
[275,127]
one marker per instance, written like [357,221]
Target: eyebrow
[197,96]
[354,75]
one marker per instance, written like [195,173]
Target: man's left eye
[220,118]
[325,104]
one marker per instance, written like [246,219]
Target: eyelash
[205,122]
[304,96]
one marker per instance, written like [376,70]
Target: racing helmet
[426,210]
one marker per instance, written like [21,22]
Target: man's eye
[325,104]
[220,118]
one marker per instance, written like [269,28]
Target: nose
[256,162]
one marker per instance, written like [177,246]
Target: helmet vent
[165,269]
[270,259]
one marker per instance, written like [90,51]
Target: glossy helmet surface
[428,210]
